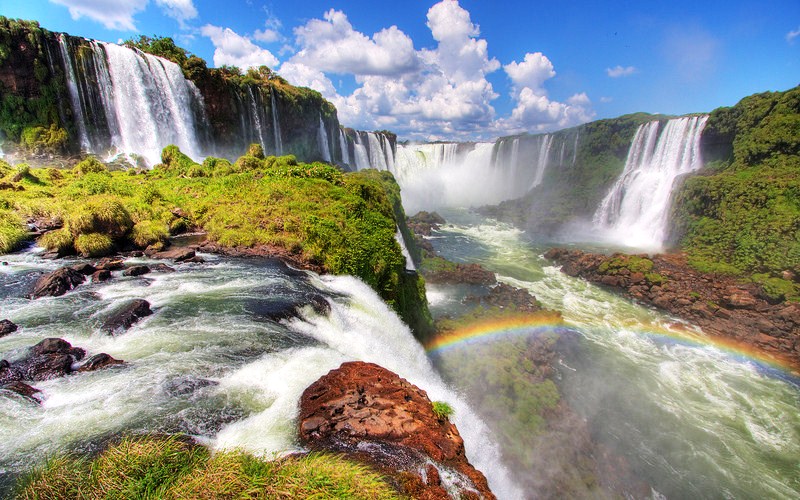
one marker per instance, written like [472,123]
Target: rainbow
[492,329]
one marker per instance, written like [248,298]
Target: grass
[173,468]
[12,232]
[345,223]
[442,410]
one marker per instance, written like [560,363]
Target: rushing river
[693,421]
[209,362]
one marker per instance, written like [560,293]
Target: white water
[276,125]
[635,211]
[256,114]
[322,137]
[692,420]
[377,156]
[201,330]
[398,235]
[74,94]
[361,153]
[344,148]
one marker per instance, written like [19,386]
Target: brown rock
[22,389]
[136,271]
[98,362]
[7,327]
[101,275]
[126,316]
[740,299]
[84,269]
[110,264]
[365,403]
[176,254]
[57,283]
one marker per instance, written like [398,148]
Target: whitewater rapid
[206,363]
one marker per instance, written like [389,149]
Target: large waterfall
[126,101]
[635,210]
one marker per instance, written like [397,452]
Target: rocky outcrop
[126,316]
[503,296]
[375,416]
[7,327]
[470,274]
[719,304]
[57,283]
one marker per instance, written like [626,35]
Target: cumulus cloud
[532,72]
[236,50]
[619,71]
[180,10]
[331,44]
[790,36]
[113,14]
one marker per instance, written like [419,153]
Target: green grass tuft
[442,410]
[60,240]
[148,232]
[12,232]
[94,245]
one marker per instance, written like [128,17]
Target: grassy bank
[170,467]
[342,223]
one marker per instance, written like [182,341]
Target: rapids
[208,362]
[693,420]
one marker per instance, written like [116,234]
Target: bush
[248,164]
[60,240]
[12,232]
[175,162]
[255,150]
[41,140]
[147,232]
[106,216]
[89,165]
[94,245]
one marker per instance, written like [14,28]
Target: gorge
[596,395]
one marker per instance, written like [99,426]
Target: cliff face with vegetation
[572,190]
[741,214]
[38,111]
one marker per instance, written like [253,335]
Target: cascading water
[344,148]
[635,210]
[209,362]
[276,125]
[74,94]
[256,115]
[322,137]
[377,156]
[398,235]
[360,152]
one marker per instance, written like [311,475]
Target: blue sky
[473,69]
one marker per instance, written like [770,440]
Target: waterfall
[402,242]
[276,124]
[377,157]
[74,95]
[361,153]
[255,115]
[322,137]
[542,159]
[343,145]
[635,210]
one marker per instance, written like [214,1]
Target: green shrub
[41,140]
[442,410]
[12,232]
[175,162]
[255,150]
[147,232]
[777,289]
[59,240]
[94,245]
[103,215]
[89,165]
[248,164]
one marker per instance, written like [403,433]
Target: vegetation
[742,215]
[442,410]
[173,467]
[344,223]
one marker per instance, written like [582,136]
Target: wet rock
[136,271]
[161,268]
[98,362]
[177,254]
[57,346]
[469,274]
[279,308]
[22,389]
[110,264]
[101,275]
[183,386]
[126,316]
[7,327]
[195,260]
[50,358]
[85,269]
[57,283]
[362,406]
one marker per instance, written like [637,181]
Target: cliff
[58,96]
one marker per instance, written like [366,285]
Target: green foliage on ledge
[173,467]
[741,215]
[343,223]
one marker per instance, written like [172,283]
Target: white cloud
[331,44]
[236,50]
[619,71]
[113,14]
[790,36]
[180,10]
[606,99]
[532,72]
[267,35]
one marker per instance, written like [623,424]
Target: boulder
[98,362]
[126,316]
[110,264]
[50,358]
[177,254]
[7,327]
[57,283]
[101,275]
[22,389]
[136,271]
[85,269]
[161,268]
[391,422]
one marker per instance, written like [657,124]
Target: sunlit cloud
[236,50]
[790,36]
[619,71]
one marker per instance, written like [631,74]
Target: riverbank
[720,305]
